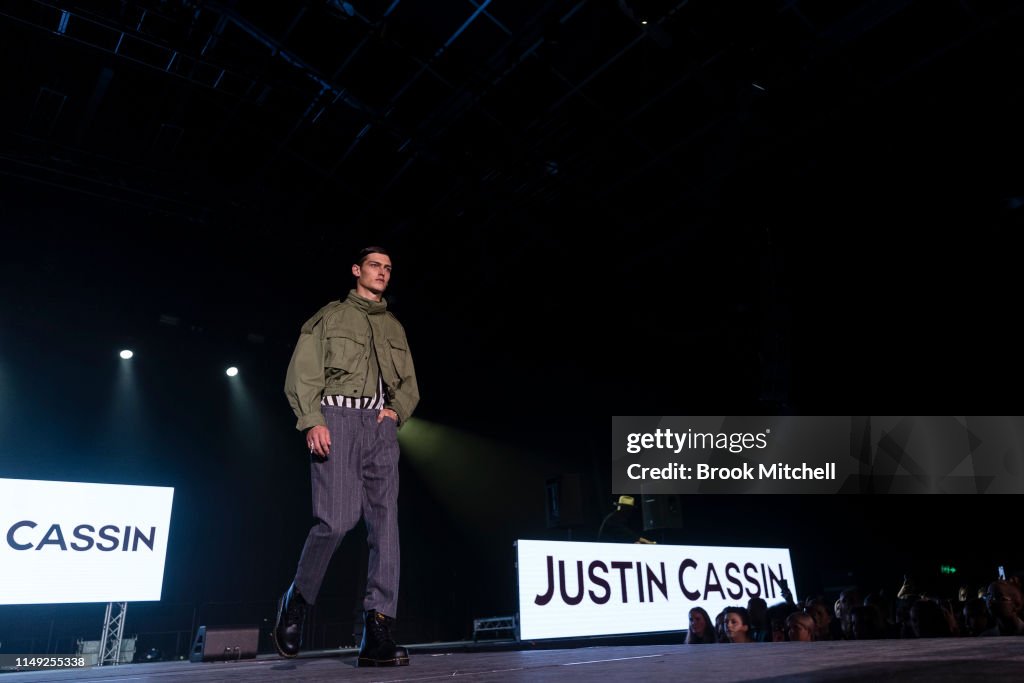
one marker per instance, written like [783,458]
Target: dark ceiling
[557,180]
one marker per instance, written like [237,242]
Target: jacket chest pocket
[344,352]
[400,357]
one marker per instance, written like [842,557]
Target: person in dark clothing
[615,527]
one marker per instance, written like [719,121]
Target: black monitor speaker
[223,643]
[564,501]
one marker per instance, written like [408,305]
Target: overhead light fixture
[345,7]
[126,354]
[232,371]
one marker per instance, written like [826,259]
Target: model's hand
[386,412]
[318,440]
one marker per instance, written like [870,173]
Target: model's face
[374,274]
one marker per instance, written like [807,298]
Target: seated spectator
[866,623]
[976,617]
[848,599]
[1004,605]
[927,620]
[757,608]
[776,617]
[701,631]
[737,625]
[827,627]
[800,627]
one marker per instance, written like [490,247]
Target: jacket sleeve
[408,393]
[304,382]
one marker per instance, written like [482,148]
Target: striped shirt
[375,402]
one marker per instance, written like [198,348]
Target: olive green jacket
[337,355]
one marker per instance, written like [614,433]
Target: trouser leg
[337,498]
[380,511]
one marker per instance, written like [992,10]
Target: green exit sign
[947,569]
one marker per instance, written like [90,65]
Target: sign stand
[113,632]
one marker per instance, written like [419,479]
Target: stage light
[126,354]
[232,371]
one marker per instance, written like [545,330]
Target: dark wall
[523,383]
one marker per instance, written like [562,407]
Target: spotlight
[126,354]
[232,371]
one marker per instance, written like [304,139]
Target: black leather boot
[378,648]
[291,614]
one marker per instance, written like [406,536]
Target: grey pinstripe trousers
[358,478]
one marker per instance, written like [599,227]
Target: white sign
[69,542]
[568,590]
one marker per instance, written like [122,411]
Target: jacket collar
[365,305]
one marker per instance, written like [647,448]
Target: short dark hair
[366,251]
[741,612]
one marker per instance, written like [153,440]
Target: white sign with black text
[568,590]
[64,542]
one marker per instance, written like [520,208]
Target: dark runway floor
[988,659]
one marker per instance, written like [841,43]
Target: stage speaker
[564,501]
[222,643]
[662,512]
